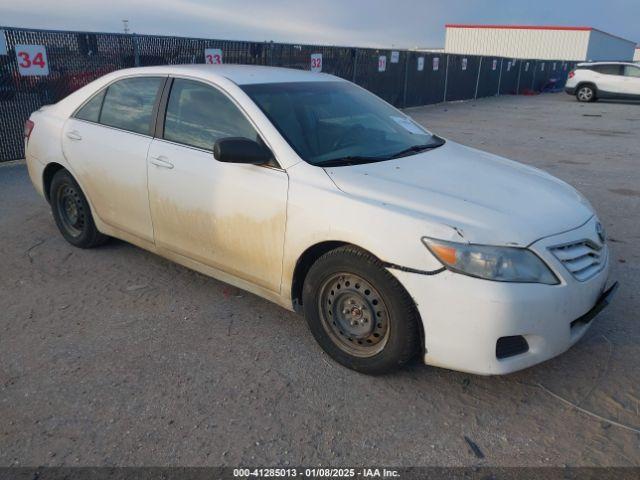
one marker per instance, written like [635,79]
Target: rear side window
[198,115]
[91,110]
[608,69]
[128,104]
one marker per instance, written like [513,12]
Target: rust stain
[119,203]
[238,244]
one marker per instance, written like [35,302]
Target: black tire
[586,93]
[380,301]
[72,213]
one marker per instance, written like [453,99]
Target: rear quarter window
[90,111]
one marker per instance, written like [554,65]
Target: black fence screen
[402,78]
[426,75]
[508,76]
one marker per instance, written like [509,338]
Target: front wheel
[586,93]
[359,313]
[72,213]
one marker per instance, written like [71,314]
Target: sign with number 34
[32,60]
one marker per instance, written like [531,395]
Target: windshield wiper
[418,148]
[358,160]
[351,160]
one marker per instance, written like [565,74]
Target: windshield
[337,123]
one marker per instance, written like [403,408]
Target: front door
[106,144]
[228,216]
[609,79]
[632,80]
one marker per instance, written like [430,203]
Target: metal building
[543,42]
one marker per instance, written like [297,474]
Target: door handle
[161,161]
[74,135]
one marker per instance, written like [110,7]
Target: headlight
[502,264]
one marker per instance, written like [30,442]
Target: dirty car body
[503,265]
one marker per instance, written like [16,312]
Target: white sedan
[313,193]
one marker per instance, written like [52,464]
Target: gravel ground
[114,356]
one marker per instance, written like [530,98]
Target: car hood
[484,198]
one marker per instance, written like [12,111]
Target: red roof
[516,27]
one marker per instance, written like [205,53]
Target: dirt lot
[114,356]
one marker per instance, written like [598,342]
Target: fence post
[355,64]
[519,71]
[406,78]
[136,52]
[446,79]
[533,80]
[500,76]
[475,96]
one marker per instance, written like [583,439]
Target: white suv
[592,81]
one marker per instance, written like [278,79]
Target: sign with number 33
[213,56]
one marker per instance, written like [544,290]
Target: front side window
[337,123]
[91,110]
[631,71]
[128,104]
[198,115]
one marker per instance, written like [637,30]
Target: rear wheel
[586,93]
[71,212]
[359,313]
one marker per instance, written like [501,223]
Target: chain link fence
[401,77]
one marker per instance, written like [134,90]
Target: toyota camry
[313,193]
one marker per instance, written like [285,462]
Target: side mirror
[241,150]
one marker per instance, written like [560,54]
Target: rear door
[106,142]
[225,215]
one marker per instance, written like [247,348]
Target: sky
[367,23]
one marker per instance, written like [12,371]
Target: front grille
[583,259]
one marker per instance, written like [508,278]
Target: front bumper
[463,317]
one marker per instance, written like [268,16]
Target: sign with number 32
[32,60]
[316,62]
[213,56]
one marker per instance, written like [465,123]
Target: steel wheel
[71,210]
[359,313]
[354,315]
[585,94]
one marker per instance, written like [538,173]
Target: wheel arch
[589,83]
[47,176]
[304,263]
[313,253]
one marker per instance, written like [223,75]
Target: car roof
[239,74]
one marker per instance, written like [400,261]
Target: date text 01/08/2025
[315,472]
